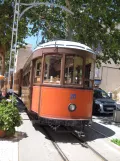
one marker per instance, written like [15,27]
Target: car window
[100,94]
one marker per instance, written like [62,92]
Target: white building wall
[22,56]
[109,74]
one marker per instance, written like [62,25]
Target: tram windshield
[89,72]
[73,70]
[74,74]
[52,70]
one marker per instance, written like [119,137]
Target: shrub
[9,117]
[116,141]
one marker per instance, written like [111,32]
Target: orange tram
[56,83]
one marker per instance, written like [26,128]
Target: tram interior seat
[54,76]
[52,70]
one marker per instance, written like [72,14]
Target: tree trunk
[2,55]
[2,71]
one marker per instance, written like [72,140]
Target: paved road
[33,145]
[106,125]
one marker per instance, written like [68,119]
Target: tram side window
[73,70]
[89,72]
[52,69]
[37,71]
[26,80]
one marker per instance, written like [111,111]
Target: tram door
[26,90]
[87,74]
[87,71]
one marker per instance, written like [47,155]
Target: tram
[57,83]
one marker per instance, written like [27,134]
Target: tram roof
[65,44]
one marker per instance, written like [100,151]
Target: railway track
[88,146]
[81,142]
[74,134]
[61,153]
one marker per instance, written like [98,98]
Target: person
[4,94]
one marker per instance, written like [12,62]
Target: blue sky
[32,40]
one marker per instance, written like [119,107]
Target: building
[107,77]
[22,56]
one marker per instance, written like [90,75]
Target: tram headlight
[72,107]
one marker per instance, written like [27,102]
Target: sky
[33,40]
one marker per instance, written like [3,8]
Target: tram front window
[52,69]
[74,70]
[89,72]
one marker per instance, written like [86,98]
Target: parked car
[102,102]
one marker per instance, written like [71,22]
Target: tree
[6,19]
[94,23]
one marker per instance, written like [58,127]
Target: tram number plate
[73,96]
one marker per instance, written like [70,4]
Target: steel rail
[82,142]
[63,156]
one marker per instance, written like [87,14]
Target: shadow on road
[64,137]
[92,135]
[16,138]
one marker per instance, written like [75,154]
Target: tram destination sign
[72,96]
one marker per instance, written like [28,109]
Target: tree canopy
[6,23]
[95,23]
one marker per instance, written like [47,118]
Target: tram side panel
[35,99]
[18,82]
[26,96]
[26,89]
[54,103]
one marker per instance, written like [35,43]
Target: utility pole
[13,50]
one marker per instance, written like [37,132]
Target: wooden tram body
[57,83]
[18,82]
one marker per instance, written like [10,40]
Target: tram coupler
[80,133]
[54,127]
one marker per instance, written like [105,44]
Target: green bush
[116,141]
[9,117]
